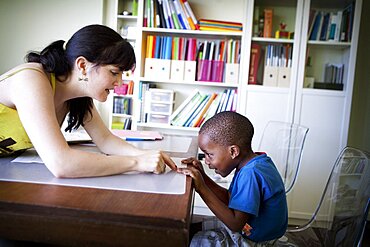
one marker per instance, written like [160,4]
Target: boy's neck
[246,158]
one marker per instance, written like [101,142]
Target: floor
[195,228]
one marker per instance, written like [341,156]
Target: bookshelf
[324,111]
[185,85]
[124,17]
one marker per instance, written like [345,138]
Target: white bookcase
[325,112]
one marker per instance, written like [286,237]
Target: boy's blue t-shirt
[258,190]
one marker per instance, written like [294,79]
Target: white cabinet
[326,112]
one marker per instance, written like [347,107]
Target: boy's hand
[195,163]
[196,176]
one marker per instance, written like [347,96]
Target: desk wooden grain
[73,216]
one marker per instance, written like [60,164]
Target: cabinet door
[324,92]
[323,113]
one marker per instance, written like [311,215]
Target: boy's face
[217,157]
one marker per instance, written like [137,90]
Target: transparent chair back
[283,142]
[340,216]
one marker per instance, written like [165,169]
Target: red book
[254,62]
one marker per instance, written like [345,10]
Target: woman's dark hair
[100,45]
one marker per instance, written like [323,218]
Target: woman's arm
[105,140]
[110,144]
[32,95]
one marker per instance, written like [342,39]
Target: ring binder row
[278,65]
[186,59]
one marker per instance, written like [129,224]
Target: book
[160,13]
[187,112]
[254,63]
[222,101]
[200,117]
[316,26]
[212,109]
[189,122]
[267,26]
[184,105]
[187,15]
[173,15]
[337,35]
[190,12]
[217,25]
[181,15]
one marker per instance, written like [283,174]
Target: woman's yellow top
[13,136]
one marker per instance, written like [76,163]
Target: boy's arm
[235,220]
[218,190]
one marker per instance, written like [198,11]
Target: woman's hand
[154,161]
[168,161]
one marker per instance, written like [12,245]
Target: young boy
[254,209]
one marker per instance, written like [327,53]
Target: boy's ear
[234,151]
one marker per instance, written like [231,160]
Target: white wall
[31,25]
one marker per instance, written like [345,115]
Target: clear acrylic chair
[341,214]
[283,142]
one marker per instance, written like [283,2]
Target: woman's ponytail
[52,58]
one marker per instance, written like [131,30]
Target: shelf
[323,92]
[167,126]
[127,17]
[123,95]
[192,32]
[120,115]
[272,40]
[261,88]
[331,44]
[194,83]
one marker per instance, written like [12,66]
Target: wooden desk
[75,216]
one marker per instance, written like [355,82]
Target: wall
[31,25]
[359,130]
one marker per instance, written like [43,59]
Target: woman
[35,98]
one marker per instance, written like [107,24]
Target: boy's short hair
[229,128]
